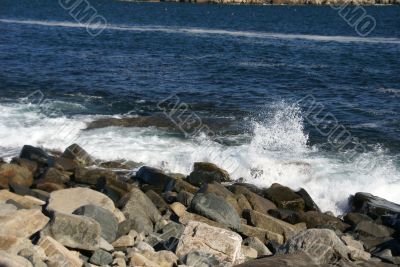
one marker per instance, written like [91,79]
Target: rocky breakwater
[68,209]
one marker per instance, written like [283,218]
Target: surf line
[86,15]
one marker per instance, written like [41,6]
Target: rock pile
[68,209]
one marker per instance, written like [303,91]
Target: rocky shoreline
[68,209]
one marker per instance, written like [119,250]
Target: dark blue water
[241,63]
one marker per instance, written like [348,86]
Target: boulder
[182,185]
[315,219]
[216,208]
[106,219]
[65,164]
[322,245]
[223,192]
[201,259]
[261,234]
[373,206]
[126,240]
[26,202]
[120,164]
[243,203]
[36,154]
[12,244]
[32,166]
[22,223]
[49,186]
[204,173]
[158,201]
[57,254]
[367,228]
[78,154]
[92,175]
[161,258]
[35,255]
[257,202]
[75,231]
[285,198]
[185,198]
[225,245]
[11,260]
[297,260]
[56,176]
[6,208]
[272,224]
[259,246]
[248,253]
[354,218]
[101,258]
[138,208]
[15,174]
[154,177]
[309,203]
[68,200]
[138,259]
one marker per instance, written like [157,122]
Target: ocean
[298,95]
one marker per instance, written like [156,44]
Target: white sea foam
[207,31]
[278,152]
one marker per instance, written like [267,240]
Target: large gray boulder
[75,231]
[216,208]
[205,173]
[138,208]
[322,245]
[106,219]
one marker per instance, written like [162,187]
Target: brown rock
[183,185]
[57,254]
[54,175]
[257,202]
[272,224]
[13,244]
[138,259]
[49,186]
[27,202]
[92,176]
[204,172]
[126,240]
[10,260]
[178,208]
[15,174]
[78,154]
[285,198]
[262,234]
[22,223]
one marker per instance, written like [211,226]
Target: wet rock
[322,245]
[204,173]
[158,201]
[367,228]
[65,164]
[15,174]
[78,154]
[101,257]
[10,260]
[26,202]
[262,234]
[120,164]
[185,198]
[354,218]
[285,198]
[373,206]
[243,203]
[315,219]
[310,205]
[22,223]
[225,245]
[36,154]
[67,229]
[138,208]
[272,224]
[182,185]
[257,202]
[56,176]
[68,200]
[57,254]
[106,219]
[216,208]
[256,244]
[92,176]
[153,177]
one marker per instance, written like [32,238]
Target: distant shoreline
[277,2]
